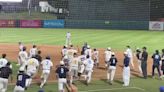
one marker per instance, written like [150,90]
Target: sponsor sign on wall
[7,23]
[30,23]
[53,24]
[156,25]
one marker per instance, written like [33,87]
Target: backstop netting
[120,14]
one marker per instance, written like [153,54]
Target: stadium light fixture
[10,0]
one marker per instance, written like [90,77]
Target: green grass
[136,85]
[117,39]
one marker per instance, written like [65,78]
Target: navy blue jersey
[62,71]
[156,59]
[113,61]
[21,79]
[5,72]
[126,61]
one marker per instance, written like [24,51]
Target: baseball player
[156,63]
[68,39]
[96,57]
[21,81]
[162,67]
[20,46]
[3,61]
[22,57]
[111,68]
[82,58]
[62,74]
[71,52]
[46,66]
[74,67]
[130,55]
[33,51]
[162,63]
[5,73]
[144,58]
[89,64]
[138,55]
[126,70]
[31,69]
[84,48]
[88,51]
[108,54]
[64,51]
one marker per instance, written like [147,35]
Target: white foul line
[114,89]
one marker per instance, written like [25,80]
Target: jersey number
[20,78]
[62,71]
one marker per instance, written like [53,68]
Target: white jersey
[95,54]
[88,52]
[68,35]
[108,55]
[33,52]
[3,62]
[64,51]
[46,64]
[129,52]
[32,63]
[82,58]
[71,53]
[23,56]
[89,64]
[74,63]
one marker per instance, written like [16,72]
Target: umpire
[144,58]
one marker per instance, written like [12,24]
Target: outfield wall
[99,24]
[106,24]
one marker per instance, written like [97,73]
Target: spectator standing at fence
[68,39]
[144,58]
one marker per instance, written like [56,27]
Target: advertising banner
[30,23]
[7,23]
[53,24]
[156,25]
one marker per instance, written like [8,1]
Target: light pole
[29,7]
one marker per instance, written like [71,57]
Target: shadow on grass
[118,81]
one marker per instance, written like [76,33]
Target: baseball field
[50,42]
